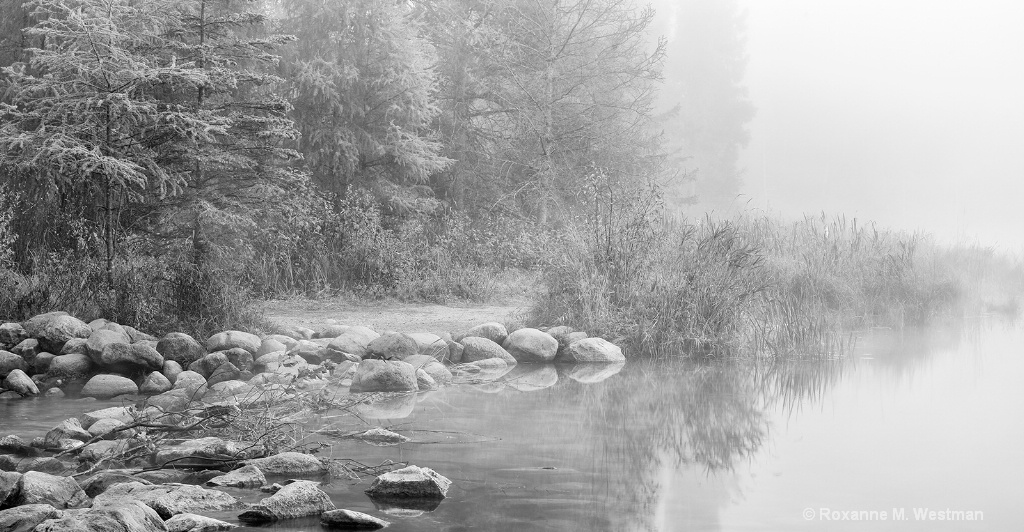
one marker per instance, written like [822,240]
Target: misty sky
[907,112]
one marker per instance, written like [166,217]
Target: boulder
[170,499]
[454,351]
[18,381]
[363,334]
[206,365]
[196,523]
[110,429]
[272,344]
[10,362]
[248,476]
[492,331]
[27,349]
[99,450]
[139,336]
[225,372]
[26,518]
[209,450]
[155,383]
[189,381]
[311,352]
[71,366]
[171,370]
[100,339]
[531,346]
[291,464]
[392,346]
[410,482]
[350,520]
[424,381]
[36,487]
[478,348]
[180,348]
[43,464]
[435,369]
[13,444]
[53,329]
[75,346]
[70,428]
[122,515]
[384,376]
[223,341]
[11,334]
[172,401]
[349,343]
[129,358]
[107,386]
[591,350]
[381,436]
[101,481]
[299,499]
[241,358]
[430,344]
[9,488]
[123,414]
[41,363]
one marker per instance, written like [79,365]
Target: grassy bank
[755,283]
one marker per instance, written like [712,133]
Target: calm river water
[906,425]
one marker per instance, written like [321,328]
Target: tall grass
[753,283]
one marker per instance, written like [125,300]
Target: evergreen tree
[362,83]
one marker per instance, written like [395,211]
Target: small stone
[351,520]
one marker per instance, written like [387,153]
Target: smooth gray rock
[70,428]
[171,370]
[74,346]
[248,476]
[299,499]
[349,343]
[424,381]
[36,487]
[100,339]
[392,346]
[384,376]
[107,386]
[11,334]
[170,499]
[429,344]
[107,429]
[438,371]
[209,450]
[477,348]
[196,523]
[289,463]
[124,414]
[189,382]
[27,349]
[41,363]
[381,436]
[181,348]
[225,372]
[10,362]
[71,366]
[139,336]
[411,482]
[155,383]
[53,329]
[122,515]
[225,340]
[528,345]
[103,480]
[9,488]
[206,365]
[18,381]
[26,518]
[491,330]
[592,350]
[351,520]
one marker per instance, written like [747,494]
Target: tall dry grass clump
[752,282]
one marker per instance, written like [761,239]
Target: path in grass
[390,315]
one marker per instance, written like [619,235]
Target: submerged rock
[196,523]
[299,499]
[248,476]
[351,520]
[410,482]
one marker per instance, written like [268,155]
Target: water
[907,422]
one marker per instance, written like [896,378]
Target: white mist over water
[908,113]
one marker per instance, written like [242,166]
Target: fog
[905,112]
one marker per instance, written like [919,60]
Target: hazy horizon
[906,113]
